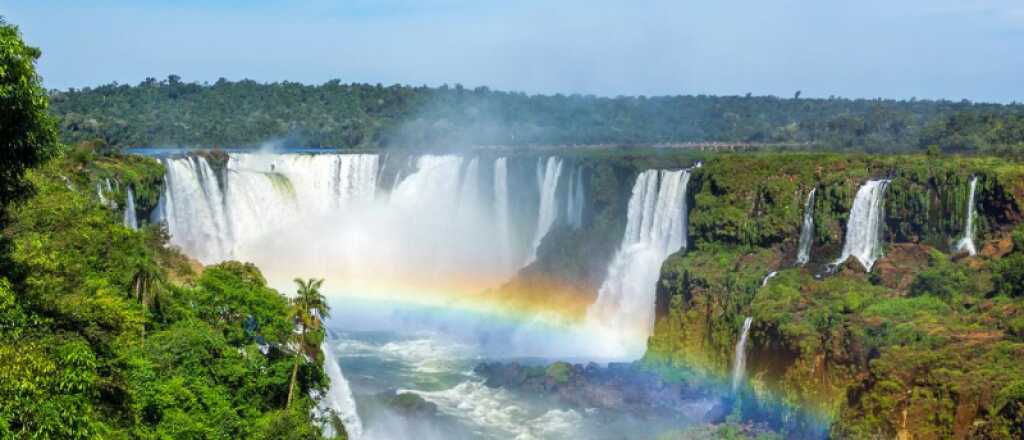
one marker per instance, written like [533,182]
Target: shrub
[1008,275]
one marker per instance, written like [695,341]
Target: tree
[309,307]
[28,134]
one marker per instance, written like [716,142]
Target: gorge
[427,271]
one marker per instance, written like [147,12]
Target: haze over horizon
[938,49]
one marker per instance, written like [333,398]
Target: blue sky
[953,49]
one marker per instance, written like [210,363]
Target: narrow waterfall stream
[129,217]
[967,242]
[803,255]
[339,396]
[547,181]
[739,367]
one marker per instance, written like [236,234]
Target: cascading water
[193,208]
[803,254]
[739,367]
[967,242]
[655,228]
[764,281]
[319,214]
[130,219]
[864,227]
[339,397]
[501,208]
[547,181]
[575,199]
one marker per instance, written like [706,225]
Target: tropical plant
[308,309]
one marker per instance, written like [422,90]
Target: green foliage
[942,280]
[27,132]
[172,112]
[559,372]
[977,131]
[1008,275]
[98,341]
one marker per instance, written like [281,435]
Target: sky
[951,49]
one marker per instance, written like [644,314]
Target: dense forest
[172,112]
[105,331]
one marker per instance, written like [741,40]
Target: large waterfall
[129,216]
[450,222]
[739,368]
[547,181]
[655,228]
[193,208]
[967,242]
[803,254]
[864,227]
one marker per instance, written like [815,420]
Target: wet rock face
[408,404]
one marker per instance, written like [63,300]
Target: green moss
[559,372]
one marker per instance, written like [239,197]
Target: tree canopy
[172,112]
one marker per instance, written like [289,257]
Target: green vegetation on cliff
[114,335]
[105,332]
[920,346]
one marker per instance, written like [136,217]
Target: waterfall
[864,227]
[967,242]
[129,209]
[468,191]
[547,181]
[575,199]
[193,208]
[764,281]
[99,194]
[501,208]
[739,367]
[655,228]
[803,254]
[339,397]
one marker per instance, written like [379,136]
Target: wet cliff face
[916,347]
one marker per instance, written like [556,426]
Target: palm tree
[308,309]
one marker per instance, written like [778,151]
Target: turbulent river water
[437,364]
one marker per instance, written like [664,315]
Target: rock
[897,268]
[408,404]
[997,248]
[852,265]
[719,412]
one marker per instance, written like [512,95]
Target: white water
[803,254]
[318,215]
[575,200]
[764,281]
[967,242]
[501,207]
[864,227]
[339,396]
[739,368]
[547,181]
[192,206]
[655,228]
[130,219]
